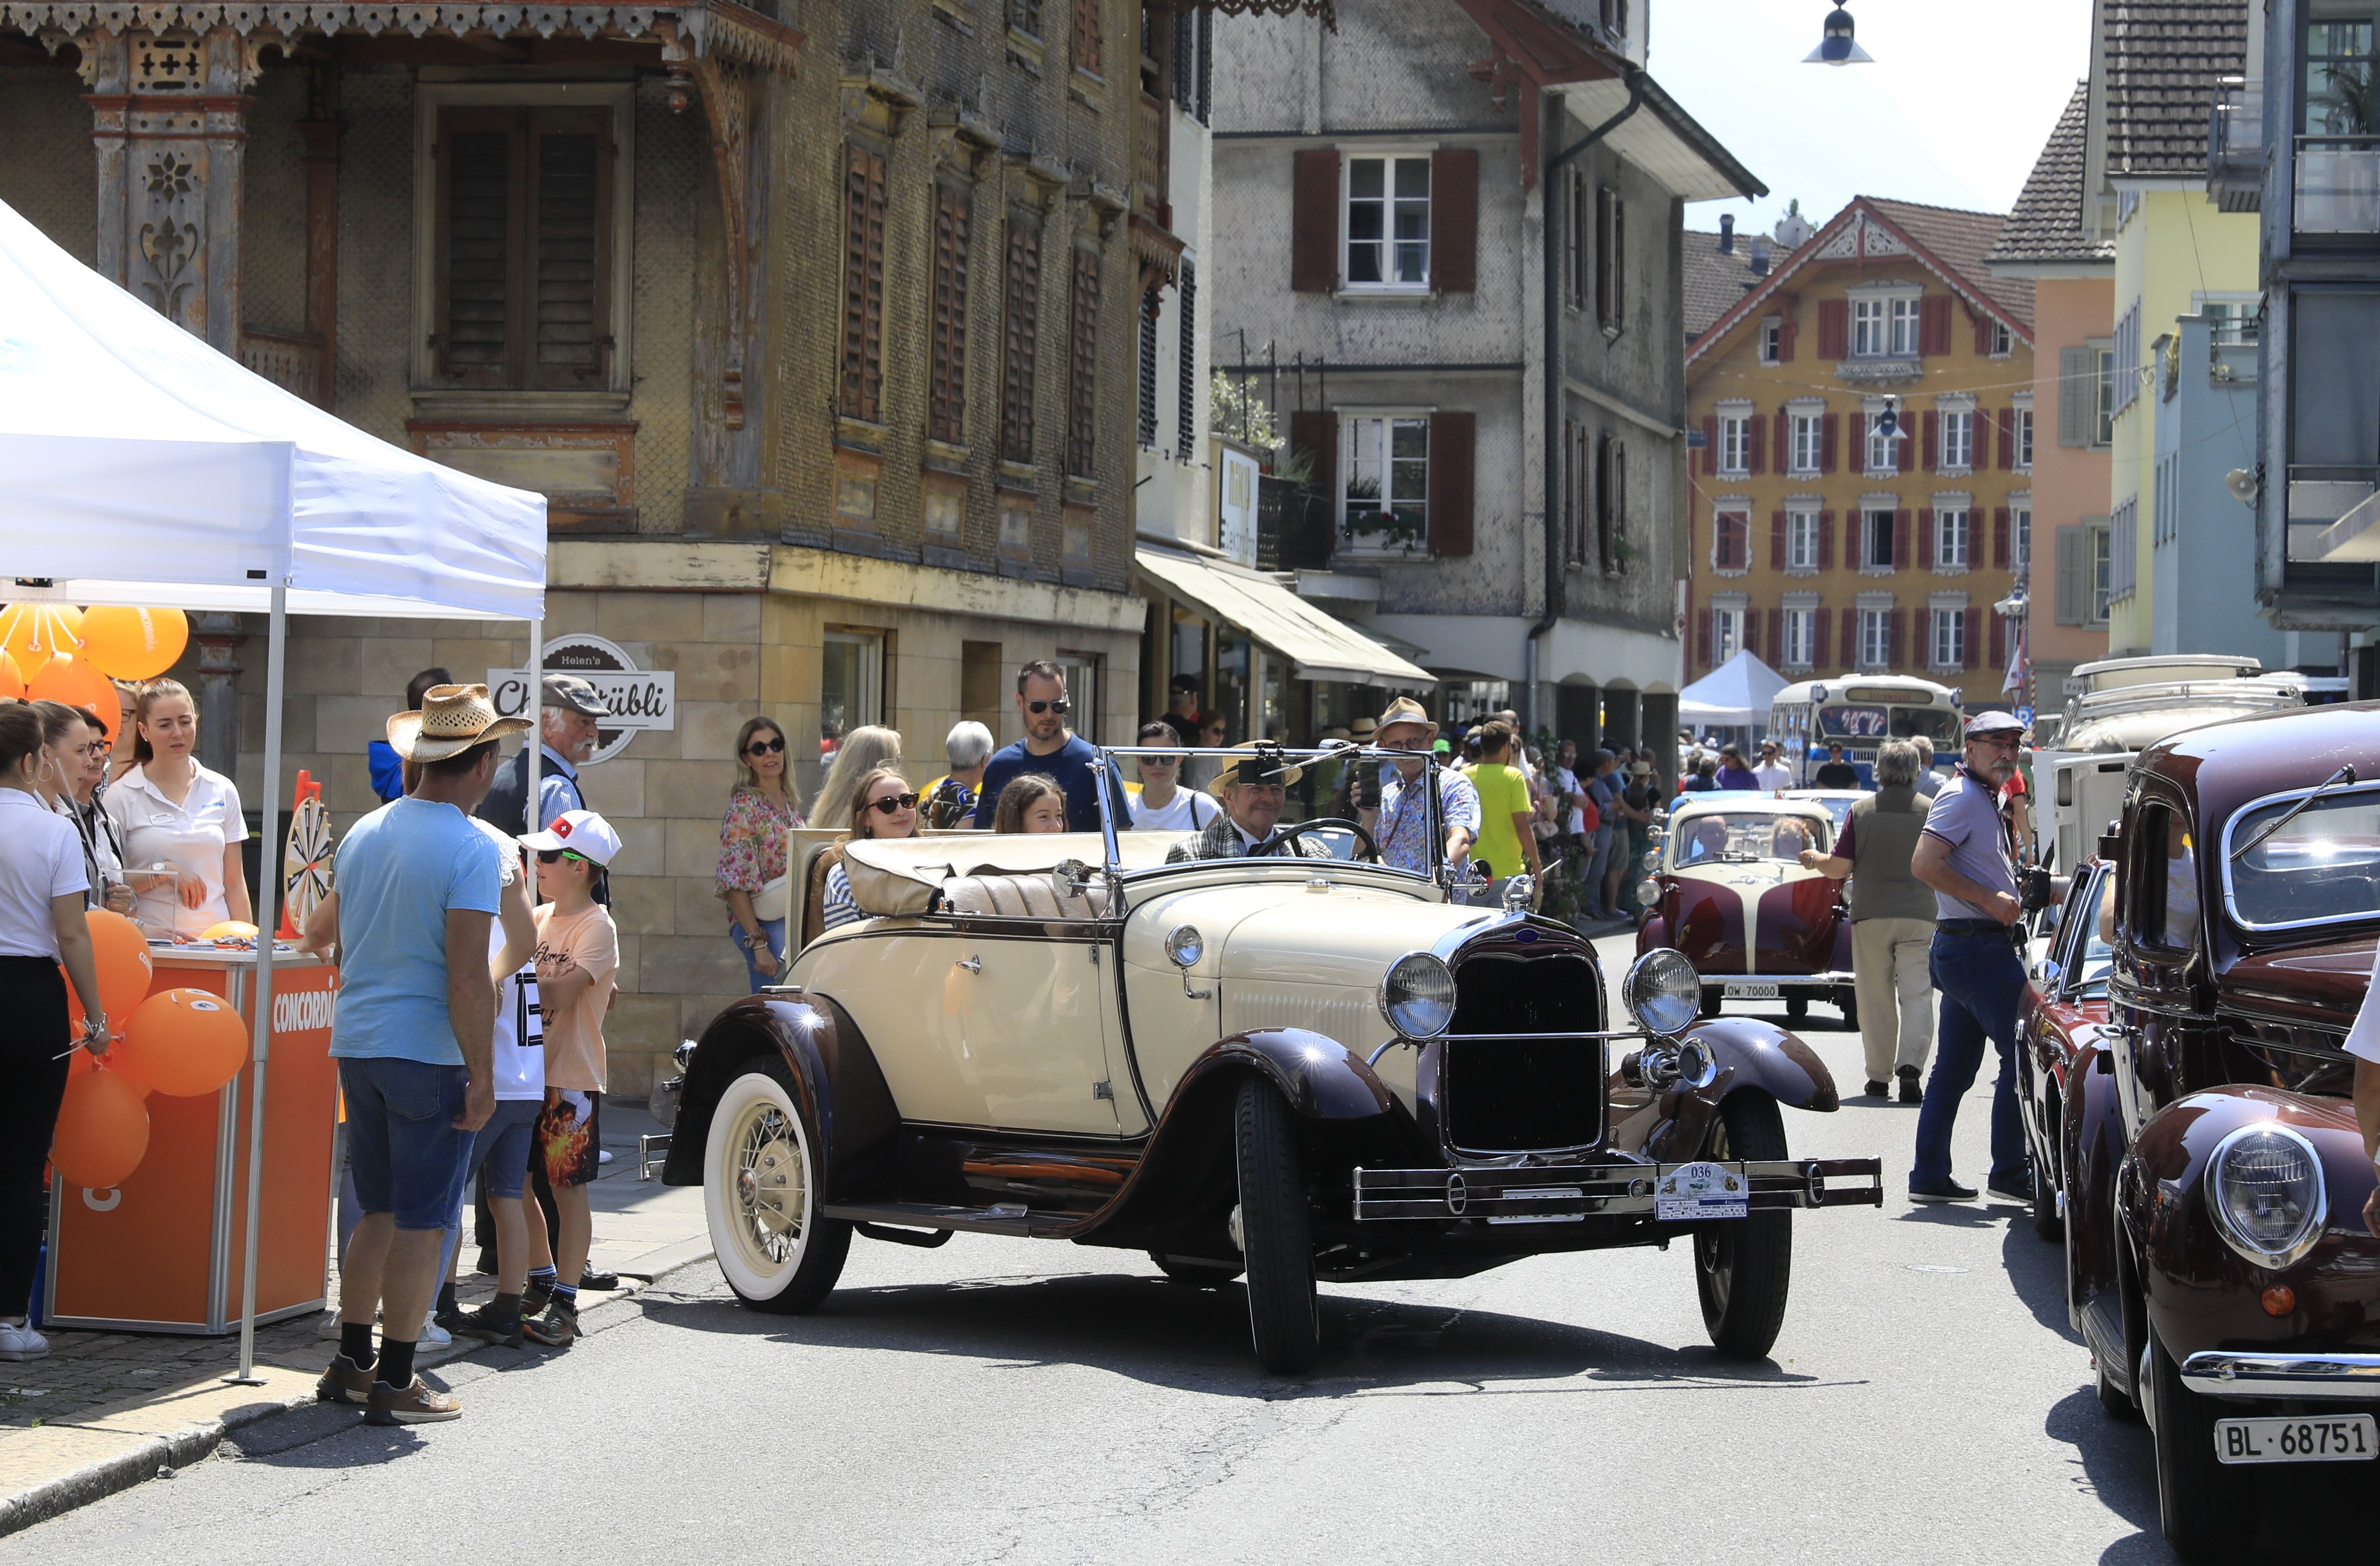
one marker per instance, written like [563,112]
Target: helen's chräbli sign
[639,699]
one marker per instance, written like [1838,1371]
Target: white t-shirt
[1573,819]
[1774,774]
[1188,810]
[188,837]
[40,857]
[519,1054]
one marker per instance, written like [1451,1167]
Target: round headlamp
[1184,945]
[1417,996]
[1663,992]
[2264,1187]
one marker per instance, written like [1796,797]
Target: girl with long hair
[885,805]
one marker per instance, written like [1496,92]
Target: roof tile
[2163,59]
[2048,222]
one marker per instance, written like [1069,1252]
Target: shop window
[851,681]
[1082,672]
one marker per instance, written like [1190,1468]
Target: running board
[1012,1218]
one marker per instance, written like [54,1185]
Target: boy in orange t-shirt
[577,966]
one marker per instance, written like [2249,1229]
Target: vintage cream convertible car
[1296,1068]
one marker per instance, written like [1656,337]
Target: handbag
[774,901]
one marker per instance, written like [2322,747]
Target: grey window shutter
[2073,576]
[2078,396]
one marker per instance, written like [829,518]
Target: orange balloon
[118,1060]
[34,633]
[134,644]
[187,1043]
[103,1131]
[121,953]
[12,679]
[78,684]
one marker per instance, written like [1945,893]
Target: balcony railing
[291,360]
[2337,185]
[2235,147]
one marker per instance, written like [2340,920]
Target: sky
[1952,112]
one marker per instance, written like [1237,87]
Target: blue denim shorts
[407,1157]
[502,1146]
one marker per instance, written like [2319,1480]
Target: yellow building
[1823,539]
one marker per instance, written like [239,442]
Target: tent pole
[260,998]
[530,822]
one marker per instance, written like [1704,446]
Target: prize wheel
[305,867]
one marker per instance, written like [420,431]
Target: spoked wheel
[761,1193]
[1284,1314]
[1744,1266]
[1196,1271]
[2205,1505]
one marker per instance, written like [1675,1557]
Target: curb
[150,1457]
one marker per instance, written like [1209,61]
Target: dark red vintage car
[2217,1261]
[1728,891]
[2058,1035]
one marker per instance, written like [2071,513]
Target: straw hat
[452,720]
[1262,764]
[1406,709]
[1360,730]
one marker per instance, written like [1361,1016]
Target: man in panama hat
[1399,823]
[1253,787]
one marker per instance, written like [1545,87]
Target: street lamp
[1836,44]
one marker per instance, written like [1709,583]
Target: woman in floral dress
[752,849]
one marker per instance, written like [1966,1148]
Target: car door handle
[972,965]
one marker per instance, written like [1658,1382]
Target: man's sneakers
[490,1325]
[2017,1187]
[556,1327]
[345,1384]
[1912,1090]
[1947,1191]
[19,1341]
[601,1282]
[414,1404]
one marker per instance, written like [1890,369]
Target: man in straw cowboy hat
[419,885]
[1399,823]
[1253,787]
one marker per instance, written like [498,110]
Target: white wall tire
[762,1189]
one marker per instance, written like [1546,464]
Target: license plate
[1694,1192]
[1751,991]
[2340,1438]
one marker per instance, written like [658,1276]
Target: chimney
[1726,234]
[1759,256]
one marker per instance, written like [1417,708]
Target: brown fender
[838,1087]
[1751,1054]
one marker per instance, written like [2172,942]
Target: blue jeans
[1980,981]
[775,930]
[403,1148]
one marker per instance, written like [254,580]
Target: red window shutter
[1818,639]
[1786,332]
[1452,438]
[1826,543]
[1776,637]
[2007,417]
[1924,555]
[1934,324]
[1755,443]
[1930,437]
[1982,333]
[1315,432]
[1851,654]
[1784,439]
[1834,328]
[1751,642]
[1901,558]
[1453,220]
[1775,545]
[1894,646]
[1831,428]
[2000,537]
[1905,457]
[1710,444]
[1314,221]
[1970,647]
[1702,639]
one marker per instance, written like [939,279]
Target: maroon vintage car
[2058,1035]
[2217,1261]
[1728,890]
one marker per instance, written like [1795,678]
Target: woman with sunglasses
[887,807]
[752,877]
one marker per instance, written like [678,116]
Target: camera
[2034,889]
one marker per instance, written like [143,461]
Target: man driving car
[1709,841]
[1253,787]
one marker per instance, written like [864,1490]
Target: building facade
[1824,536]
[2065,571]
[1494,424]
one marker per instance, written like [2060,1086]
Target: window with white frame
[1958,426]
[1875,539]
[2103,572]
[1735,443]
[1385,460]
[1880,454]
[1867,329]
[1727,634]
[1388,222]
[1800,638]
[2003,339]
[1954,538]
[851,680]
[2020,534]
[2127,387]
[1946,637]
[1904,328]
[1800,541]
[2021,426]
[1732,539]
[2124,526]
[1875,639]
[1772,339]
[1805,432]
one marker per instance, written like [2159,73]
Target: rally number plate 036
[1740,992]
[2340,1438]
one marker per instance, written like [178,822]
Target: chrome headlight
[1417,995]
[2265,1189]
[1184,945]
[1663,992]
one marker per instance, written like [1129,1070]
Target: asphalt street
[998,1399]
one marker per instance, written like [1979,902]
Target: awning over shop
[1317,646]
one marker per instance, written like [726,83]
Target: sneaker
[489,1328]
[19,1341]
[433,1336]
[1912,1090]
[1875,1088]
[343,1383]
[416,1405]
[533,1297]
[555,1327]
[448,1316]
[601,1282]
[1949,1191]
[2015,1187]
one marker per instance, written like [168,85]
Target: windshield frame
[1822,829]
[2230,866]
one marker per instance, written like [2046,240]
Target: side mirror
[1070,878]
[2046,973]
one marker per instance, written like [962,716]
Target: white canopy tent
[1736,694]
[139,465]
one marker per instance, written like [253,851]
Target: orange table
[164,1251]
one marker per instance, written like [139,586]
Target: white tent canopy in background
[1735,695]
[139,465]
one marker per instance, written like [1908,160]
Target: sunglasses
[765,747]
[892,803]
[556,856]
[1061,707]
[1160,760]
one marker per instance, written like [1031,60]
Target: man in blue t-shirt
[413,1034]
[1050,748]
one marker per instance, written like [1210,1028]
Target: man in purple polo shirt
[1966,856]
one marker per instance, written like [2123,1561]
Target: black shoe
[1912,1090]
[487,1262]
[601,1282]
[1875,1088]
[484,1324]
[554,1326]
[534,1294]
[1949,1191]
[2015,1188]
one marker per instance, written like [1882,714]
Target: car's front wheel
[2205,1505]
[2047,1221]
[1743,1267]
[762,1191]
[1276,1231]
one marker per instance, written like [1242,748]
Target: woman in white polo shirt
[42,887]
[180,822]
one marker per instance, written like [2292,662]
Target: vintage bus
[1861,711]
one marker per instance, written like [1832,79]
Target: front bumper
[1548,1193]
[1783,983]
[2225,1373]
